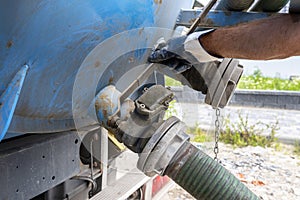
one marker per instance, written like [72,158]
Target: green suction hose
[204,178]
[170,153]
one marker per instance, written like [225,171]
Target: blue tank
[53,38]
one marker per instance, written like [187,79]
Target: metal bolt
[145,89]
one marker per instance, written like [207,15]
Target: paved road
[203,115]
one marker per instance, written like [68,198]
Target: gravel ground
[271,174]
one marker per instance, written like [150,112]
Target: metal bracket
[130,89]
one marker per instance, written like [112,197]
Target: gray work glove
[185,56]
[181,54]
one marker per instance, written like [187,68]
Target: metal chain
[217,133]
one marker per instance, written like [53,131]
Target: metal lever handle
[133,86]
[202,15]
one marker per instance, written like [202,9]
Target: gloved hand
[194,66]
[181,55]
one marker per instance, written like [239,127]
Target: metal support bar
[148,189]
[104,155]
[124,187]
[215,19]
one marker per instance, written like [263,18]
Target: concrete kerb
[285,109]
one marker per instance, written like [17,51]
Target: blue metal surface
[54,37]
[119,68]
[9,100]
[217,19]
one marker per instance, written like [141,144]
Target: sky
[275,68]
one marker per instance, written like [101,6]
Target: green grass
[199,135]
[242,134]
[257,81]
[171,82]
[171,110]
[297,148]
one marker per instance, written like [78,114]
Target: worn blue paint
[107,102]
[54,37]
[9,100]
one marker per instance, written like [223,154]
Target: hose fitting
[164,147]
[170,153]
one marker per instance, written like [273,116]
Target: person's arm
[276,37]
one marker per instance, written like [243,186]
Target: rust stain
[158,1]
[258,183]
[209,22]
[141,31]
[131,59]
[97,64]
[111,80]
[9,44]
[103,103]
[105,114]
[50,117]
